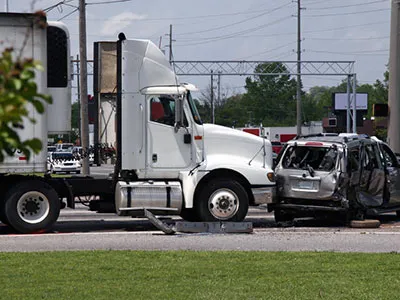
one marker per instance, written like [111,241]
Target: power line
[349,13]
[345,6]
[282,55]
[266,51]
[235,23]
[181,18]
[227,36]
[373,52]
[107,2]
[349,39]
[48,9]
[345,27]
[67,15]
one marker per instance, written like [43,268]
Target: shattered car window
[318,158]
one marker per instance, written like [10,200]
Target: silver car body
[337,173]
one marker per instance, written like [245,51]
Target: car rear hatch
[308,171]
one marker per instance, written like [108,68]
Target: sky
[257,30]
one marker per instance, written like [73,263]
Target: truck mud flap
[200,227]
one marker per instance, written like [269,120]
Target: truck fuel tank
[160,197]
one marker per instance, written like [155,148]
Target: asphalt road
[81,229]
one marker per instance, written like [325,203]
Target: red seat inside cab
[157,111]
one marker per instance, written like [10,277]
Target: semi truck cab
[169,159]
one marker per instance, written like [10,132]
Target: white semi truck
[168,161]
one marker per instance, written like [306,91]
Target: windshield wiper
[310,170]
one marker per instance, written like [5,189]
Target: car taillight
[314,144]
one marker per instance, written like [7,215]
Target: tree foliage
[271,100]
[18,92]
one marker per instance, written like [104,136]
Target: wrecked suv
[345,173]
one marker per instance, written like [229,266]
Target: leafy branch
[18,92]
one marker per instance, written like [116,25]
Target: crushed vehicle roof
[331,138]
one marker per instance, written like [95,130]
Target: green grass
[198,275]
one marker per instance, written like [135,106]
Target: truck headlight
[271,176]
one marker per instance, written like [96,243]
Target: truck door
[392,168]
[166,146]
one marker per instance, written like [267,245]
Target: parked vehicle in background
[64,162]
[51,149]
[65,147]
[350,174]
[276,146]
[80,154]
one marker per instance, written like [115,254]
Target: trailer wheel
[31,206]
[222,200]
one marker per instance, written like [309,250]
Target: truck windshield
[193,109]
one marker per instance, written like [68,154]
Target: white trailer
[168,161]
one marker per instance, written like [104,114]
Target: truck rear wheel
[222,200]
[31,206]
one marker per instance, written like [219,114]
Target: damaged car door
[372,177]
[393,174]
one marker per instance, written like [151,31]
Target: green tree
[271,99]
[18,90]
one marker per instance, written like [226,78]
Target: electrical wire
[346,14]
[227,36]
[345,6]
[107,2]
[235,23]
[67,15]
[269,50]
[373,52]
[349,39]
[345,27]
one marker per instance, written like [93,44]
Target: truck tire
[3,218]
[189,214]
[31,206]
[222,200]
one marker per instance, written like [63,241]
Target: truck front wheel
[31,206]
[222,200]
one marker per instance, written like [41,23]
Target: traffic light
[380,110]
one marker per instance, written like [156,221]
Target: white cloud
[119,22]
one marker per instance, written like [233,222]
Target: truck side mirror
[179,117]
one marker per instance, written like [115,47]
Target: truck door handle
[154,158]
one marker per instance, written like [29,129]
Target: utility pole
[219,87]
[6,6]
[212,98]
[298,96]
[394,86]
[170,43]
[79,97]
[83,86]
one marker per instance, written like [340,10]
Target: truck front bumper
[264,195]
